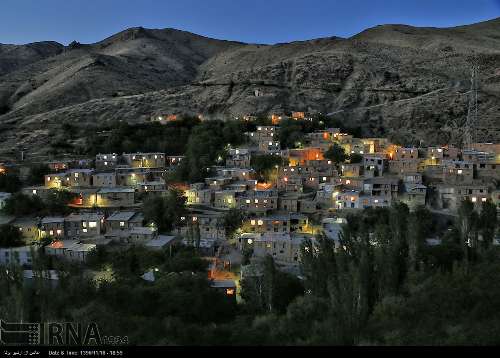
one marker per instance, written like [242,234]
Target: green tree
[57,202]
[355,158]
[10,236]
[265,166]
[336,154]
[9,182]
[37,174]
[20,204]
[233,219]
[467,228]
[488,221]
[419,229]
[165,212]
[291,133]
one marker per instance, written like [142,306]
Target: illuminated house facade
[145,160]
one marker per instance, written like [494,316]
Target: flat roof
[116,190]
[53,219]
[121,216]
[162,240]
[223,284]
[142,230]
[88,171]
[24,221]
[84,216]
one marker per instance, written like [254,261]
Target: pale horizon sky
[257,21]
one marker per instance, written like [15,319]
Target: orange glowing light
[230,291]
[57,245]
[264,186]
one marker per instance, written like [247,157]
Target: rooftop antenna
[470,124]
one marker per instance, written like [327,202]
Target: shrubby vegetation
[10,182]
[165,212]
[383,285]
[10,236]
[56,203]
[265,166]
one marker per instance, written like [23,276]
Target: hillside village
[238,214]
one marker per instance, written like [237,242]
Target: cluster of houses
[305,195]
[309,185]
[108,193]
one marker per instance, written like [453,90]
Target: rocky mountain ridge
[392,80]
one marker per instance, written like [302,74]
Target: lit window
[105,163]
[483,200]
[230,200]
[252,222]
[230,291]
[34,191]
[51,232]
[474,199]
[195,218]
[348,182]
[48,178]
[76,175]
[250,241]
[256,201]
[460,171]
[84,230]
[92,224]
[122,223]
[247,201]
[324,178]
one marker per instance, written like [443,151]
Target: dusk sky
[256,21]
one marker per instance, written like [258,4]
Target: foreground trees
[380,284]
[165,212]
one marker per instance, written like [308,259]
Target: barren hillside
[391,79]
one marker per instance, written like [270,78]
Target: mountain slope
[393,79]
